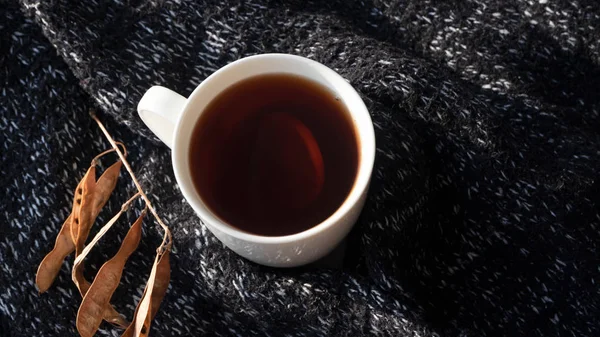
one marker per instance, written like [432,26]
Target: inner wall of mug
[260,65]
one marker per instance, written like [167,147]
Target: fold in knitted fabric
[482,217]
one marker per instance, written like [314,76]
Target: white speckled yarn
[483,217]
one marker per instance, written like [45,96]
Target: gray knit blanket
[483,217]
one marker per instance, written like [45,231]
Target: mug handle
[160,109]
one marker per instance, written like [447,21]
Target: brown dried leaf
[155,291]
[106,281]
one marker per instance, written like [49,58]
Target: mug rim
[366,145]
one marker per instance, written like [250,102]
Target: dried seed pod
[155,291]
[93,198]
[98,191]
[82,198]
[50,265]
[65,240]
[105,186]
[84,217]
[114,317]
[110,314]
[106,281]
[64,244]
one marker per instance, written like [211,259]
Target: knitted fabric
[483,215]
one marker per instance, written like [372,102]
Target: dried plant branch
[159,278]
[102,154]
[167,238]
[89,198]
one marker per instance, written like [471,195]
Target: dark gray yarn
[483,215]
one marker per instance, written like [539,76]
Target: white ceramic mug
[172,118]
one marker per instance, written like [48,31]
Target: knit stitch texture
[483,217]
